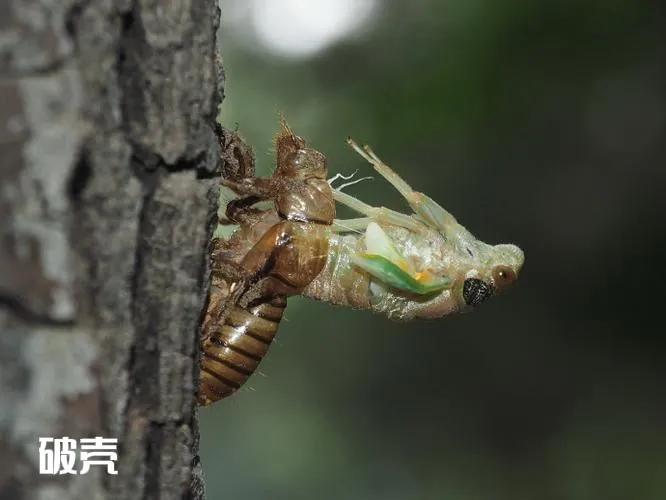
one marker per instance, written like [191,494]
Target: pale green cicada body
[421,265]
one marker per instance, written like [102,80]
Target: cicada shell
[261,256]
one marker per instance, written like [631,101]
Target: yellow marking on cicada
[424,276]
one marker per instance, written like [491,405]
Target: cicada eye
[475,291]
[503,276]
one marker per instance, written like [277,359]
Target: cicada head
[488,271]
[476,269]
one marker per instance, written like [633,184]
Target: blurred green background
[535,122]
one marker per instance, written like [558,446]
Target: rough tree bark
[107,199]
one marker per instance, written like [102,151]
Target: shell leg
[429,210]
[251,186]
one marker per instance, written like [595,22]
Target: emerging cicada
[423,265]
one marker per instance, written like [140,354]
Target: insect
[405,266]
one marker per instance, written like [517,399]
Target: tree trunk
[107,201]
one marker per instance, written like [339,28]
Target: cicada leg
[351,225]
[243,210]
[378,214]
[254,186]
[429,210]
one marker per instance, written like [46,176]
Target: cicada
[279,236]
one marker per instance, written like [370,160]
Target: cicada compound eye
[503,276]
[476,291]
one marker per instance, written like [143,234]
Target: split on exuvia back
[278,237]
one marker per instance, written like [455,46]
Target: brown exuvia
[275,253]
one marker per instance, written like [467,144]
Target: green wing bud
[389,273]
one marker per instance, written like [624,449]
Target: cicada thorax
[272,255]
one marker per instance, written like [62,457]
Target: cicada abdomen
[269,255]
